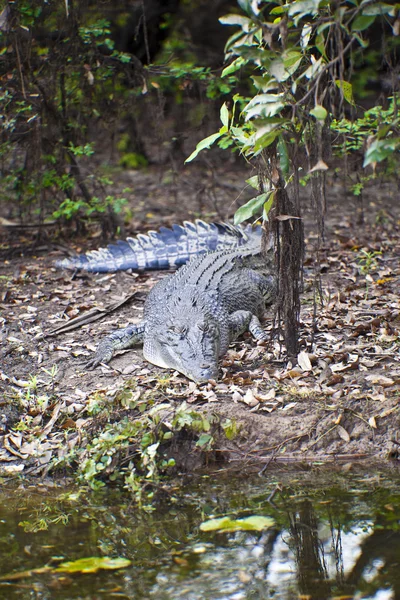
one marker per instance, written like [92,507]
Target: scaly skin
[192,316]
[164,249]
[118,340]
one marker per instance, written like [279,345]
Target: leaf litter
[348,366]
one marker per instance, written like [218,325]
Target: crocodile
[163,249]
[191,316]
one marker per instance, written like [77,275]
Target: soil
[340,402]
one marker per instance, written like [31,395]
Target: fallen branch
[88,317]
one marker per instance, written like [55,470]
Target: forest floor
[339,402]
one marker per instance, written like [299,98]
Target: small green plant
[86,150]
[42,523]
[358,188]
[230,428]
[367,261]
[72,207]
[32,383]
[134,450]
[133,160]
[52,373]
[375,132]
[24,424]
[30,396]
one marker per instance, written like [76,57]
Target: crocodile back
[222,273]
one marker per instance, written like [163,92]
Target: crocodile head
[189,344]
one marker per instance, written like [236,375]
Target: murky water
[334,536]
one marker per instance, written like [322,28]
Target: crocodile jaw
[154,354]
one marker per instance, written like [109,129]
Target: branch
[323,70]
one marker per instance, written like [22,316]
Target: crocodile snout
[206,372]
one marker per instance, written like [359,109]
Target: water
[335,536]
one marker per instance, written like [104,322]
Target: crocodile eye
[177,329]
[202,326]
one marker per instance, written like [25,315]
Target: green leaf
[264,99]
[253,181]
[92,564]
[239,135]
[362,22]
[302,8]
[379,150]
[263,105]
[206,425]
[284,66]
[305,36]
[384,129]
[246,6]
[363,43]
[224,115]
[283,156]
[291,60]
[234,66]
[347,90]
[230,428]
[380,8]
[277,69]
[320,44]
[264,83]
[319,112]
[263,141]
[204,440]
[233,41]
[206,143]
[268,205]
[253,523]
[263,110]
[278,10]
[243,22]
[251,208]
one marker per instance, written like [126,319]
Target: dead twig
[88,317]
[46,430]
[320,438]
[307,459]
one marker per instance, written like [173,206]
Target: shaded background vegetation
[87,85]
[102,84]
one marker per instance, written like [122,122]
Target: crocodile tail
[163,249]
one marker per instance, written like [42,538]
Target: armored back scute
[163,249]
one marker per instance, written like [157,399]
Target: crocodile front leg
[118,340]
[243,320]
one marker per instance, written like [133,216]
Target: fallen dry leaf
[319,166]
[304,361]
[270,395]
[380,380]
[343,433]
[236,397]
[250,399]
[288,406]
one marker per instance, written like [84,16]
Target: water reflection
[328,542]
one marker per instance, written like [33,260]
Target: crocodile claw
[104,354]
[92,363]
